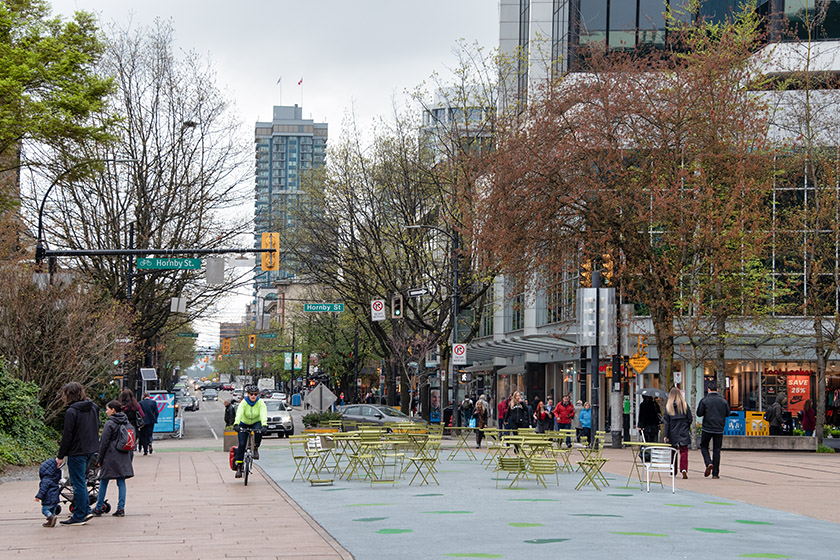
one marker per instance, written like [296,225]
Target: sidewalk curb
[302,512]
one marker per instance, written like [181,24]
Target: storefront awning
[512,370]
[516,346]
[475,368]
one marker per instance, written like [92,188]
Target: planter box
[833,443]
[230,440]
[771,443]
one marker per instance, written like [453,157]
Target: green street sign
[323,307]
[268,335]
[188,334]
[145,263]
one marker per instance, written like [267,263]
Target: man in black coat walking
[714,409]
[150,415]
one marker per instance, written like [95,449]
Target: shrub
[319,418]
[825,449]
[24,439]
[835,433]
[798,432]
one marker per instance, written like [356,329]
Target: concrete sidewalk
[183,503]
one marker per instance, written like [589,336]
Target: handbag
[472,422]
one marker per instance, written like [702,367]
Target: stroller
[65,488]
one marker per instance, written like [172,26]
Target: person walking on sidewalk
[79,441]
[714,409]
[48,490]
[230,413]
[809,418]
[501,410]
[650,416]
[480,415]
[586,423]
[775,415]
[678,422]
[150,415]
[114,464]
[251,414]
[564,412]
[131,408]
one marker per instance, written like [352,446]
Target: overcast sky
[353,55]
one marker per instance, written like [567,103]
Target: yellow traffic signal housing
[609,268]
[252,341]
[226,346]
[586,274]
[271,259]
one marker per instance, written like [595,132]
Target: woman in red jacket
[564,412]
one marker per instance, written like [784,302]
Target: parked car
[190,403]
[278,396]
[279,419]
[375,414]
[227,387]
[237,394]
[210,395]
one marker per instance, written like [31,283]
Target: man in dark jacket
[79,441]
[714,409]
[150,415]
[775,415]
[230,413]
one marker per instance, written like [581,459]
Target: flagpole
[300,83]
[280,83]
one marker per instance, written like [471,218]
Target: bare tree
[182,173]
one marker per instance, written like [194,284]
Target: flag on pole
[300,81]
[280,79]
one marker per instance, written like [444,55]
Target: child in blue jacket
[48,490]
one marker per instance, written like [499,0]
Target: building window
[514,306]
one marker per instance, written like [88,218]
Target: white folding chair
[660,460]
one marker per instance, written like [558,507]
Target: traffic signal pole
[594,365]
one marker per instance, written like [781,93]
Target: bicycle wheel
[246,468]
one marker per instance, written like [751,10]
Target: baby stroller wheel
[106,507]
[58,509]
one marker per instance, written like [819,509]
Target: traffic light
[396,306]
[226,346]
[252,341]
[271,259]
[609,269]
[586,274]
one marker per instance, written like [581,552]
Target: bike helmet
[252,389]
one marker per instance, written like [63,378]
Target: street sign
[377,310]
[639,363]
[320,398]
[459,354]
[417,292]
[323,307]
[144,263]
[268,335]
[188,334]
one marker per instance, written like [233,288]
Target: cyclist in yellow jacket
[250,414]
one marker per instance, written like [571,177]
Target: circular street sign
[459,349]
[377,305]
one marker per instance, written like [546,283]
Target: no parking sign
[459,354]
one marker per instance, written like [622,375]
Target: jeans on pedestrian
[809,433]
[775,430]
[651,433]
[103,489]
[566,426]
[714,460]
[243,439]
[77,470]
[48,511]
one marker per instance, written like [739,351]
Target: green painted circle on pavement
[749,522]
[545,541]
[369,519]
[708,530]
[394,531]
[474,555]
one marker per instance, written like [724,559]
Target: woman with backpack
[114,459]
[133,411]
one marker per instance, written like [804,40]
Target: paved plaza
[184,501]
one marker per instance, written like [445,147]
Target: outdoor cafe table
[636,468]
[461,434]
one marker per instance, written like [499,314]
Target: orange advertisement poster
[798,390]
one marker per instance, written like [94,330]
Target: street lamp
[453,236]
[39,244]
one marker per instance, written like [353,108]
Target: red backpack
[126,439]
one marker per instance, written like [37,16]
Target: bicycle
[248,457]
